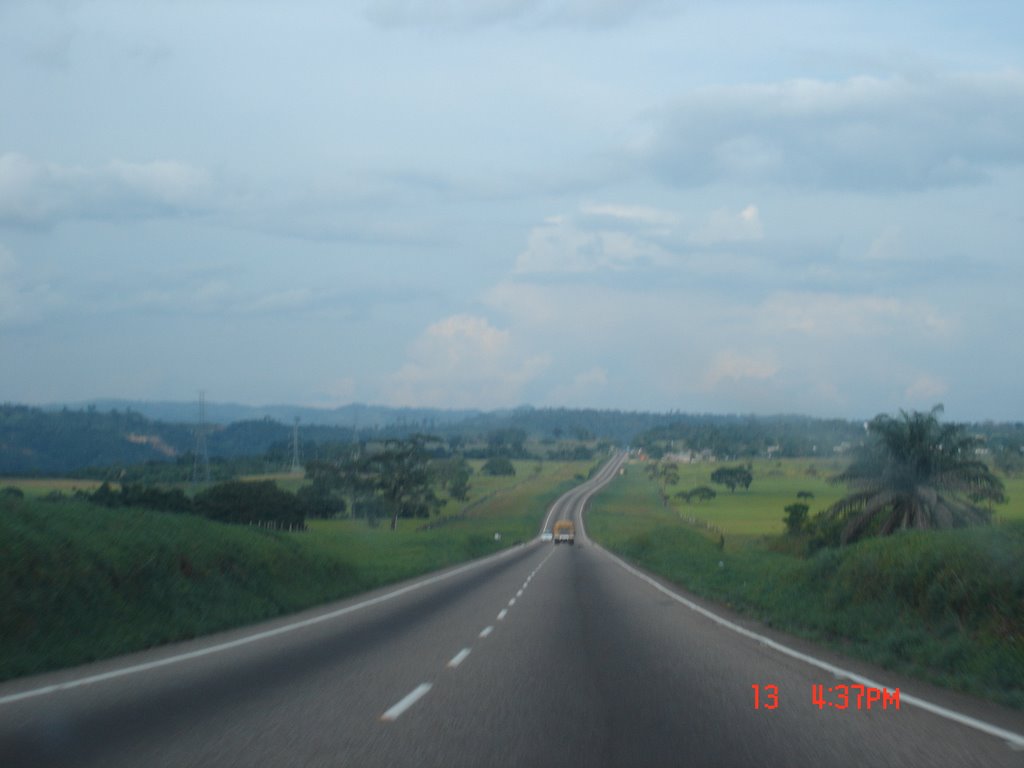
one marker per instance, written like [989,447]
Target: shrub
[243,502]
[498,465]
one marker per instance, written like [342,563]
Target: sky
[727,207]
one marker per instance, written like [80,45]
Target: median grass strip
[79,582]
[945,606]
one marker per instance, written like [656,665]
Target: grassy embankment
[80,582]
[947,607]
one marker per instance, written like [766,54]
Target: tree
[451,473]
[398,475]
[914,473]
[700,493]
[506,442]
[319,500]
[498,465]
[250,502]
[733,476]
[1009,459]
[665,473]
[458,488]
[796,518]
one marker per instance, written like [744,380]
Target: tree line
[391,479]
[125,446]
[242,502]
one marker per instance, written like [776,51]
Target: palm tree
[915,473]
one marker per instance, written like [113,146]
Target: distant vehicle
[564,532]
[547,536]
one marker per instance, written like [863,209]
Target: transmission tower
[201,460]
[296,457]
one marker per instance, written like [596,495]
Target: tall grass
[80,582]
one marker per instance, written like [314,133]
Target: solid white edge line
[399,709]
[588,488]
[136,668]
[1015,740]
[459,657]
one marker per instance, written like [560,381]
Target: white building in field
[690,457]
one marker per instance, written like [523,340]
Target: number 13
[771,696]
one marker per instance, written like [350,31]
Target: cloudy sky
[801,207]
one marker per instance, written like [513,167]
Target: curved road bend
[539,656]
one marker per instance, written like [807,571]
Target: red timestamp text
[852,696]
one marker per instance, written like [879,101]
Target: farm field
[759,510]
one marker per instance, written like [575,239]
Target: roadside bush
[796,518]
[147,497]
[498,465]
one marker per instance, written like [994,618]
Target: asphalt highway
[542,655]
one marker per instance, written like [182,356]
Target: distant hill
[34,441]
[64,439]
[354,416]
[59,439]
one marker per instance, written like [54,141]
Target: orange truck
[564,532]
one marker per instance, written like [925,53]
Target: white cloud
[168,183]
[40,194]
[890,245]
[461,338]
[587,388]
[724,226]
[561,246]
[463,361]
[593,377]
[337,392]
[638,214]
[729,365]
[469,13]
[23,300]
[615,237]
[834,315]
[859,133]
[925,389]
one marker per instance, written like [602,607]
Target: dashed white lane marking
[245,640]
[419,692]
[399,709]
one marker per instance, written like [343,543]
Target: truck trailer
[564,532]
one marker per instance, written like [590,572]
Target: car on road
[547,536]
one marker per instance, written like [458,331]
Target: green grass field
[79,582]
[945,606]
[759,510]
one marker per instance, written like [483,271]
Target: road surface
[540,656]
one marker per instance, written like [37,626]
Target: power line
[296,458]
[201,458]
